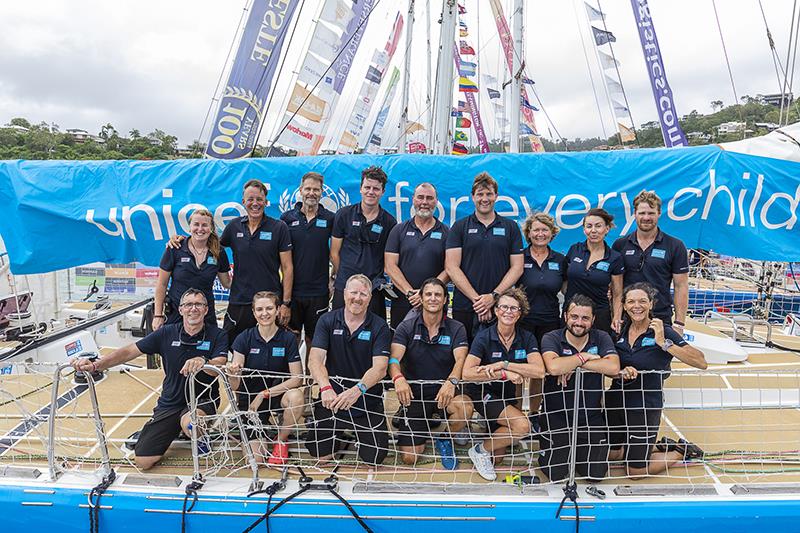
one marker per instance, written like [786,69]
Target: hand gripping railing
[245,441]
[105,462]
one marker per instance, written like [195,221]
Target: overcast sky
[156,64]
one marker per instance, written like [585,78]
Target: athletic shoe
[446,453]
[280,454]
[483,463]
[462,437]
[203,446]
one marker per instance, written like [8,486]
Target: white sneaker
[461,438]
[483,463]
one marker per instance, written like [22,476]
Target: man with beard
[310,226]
[359,239]
[564,350]
[415,252]
[659,259]
[483,258]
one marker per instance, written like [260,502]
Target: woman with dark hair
[593,267]
[192,264]
[266,363]
[503,354]
[635,399]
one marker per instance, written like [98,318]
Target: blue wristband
[361,387]
[394,361]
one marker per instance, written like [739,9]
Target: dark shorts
[399,310]
[256,423]
[164,427]
[632,426]
[540,328]
[602,321]
[415,423]
[306,313]
[238,318]
[591,452]
[325,434]
[489,409]
[471,322]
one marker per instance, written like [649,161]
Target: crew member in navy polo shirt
[429,347]
[193,265]
[262,251]
[578,345]
[348,359]
[634,401]
[509,354]
[483,258]
[359,239]
[543,276]
[593,267]
[661,260]
[271,378]
[310,226]
[415,252]
[184,347]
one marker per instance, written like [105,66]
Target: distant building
[81,136]
[777,98]
[16,127]
[698,135]
[769,126]
[731,127]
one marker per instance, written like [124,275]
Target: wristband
[326,387]
[362,388]
[94,367]
[158,316]
[503,375]
[679,323]
[265,394]
[398,376]
[394,361]
[582,359]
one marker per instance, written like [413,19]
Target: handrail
[733,318]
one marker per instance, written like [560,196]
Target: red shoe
[280,454]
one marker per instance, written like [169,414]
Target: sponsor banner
[337,12]
[662,93]
[324,43]
[377,130]
[297,135]
[313,71]
[472,106]
[350,41]
[312,106]
[59,214]
[237,122]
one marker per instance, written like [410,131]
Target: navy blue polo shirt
[349,354]
[272,357]
[428,358]
[176,347]
[591,280]
[363,243]
[256,257]
[645,354]
[311,250]
[656,265]
[485,253]
[558,400]
[187,275]
[421,254]
[542,285]
[487,347]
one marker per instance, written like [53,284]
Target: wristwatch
[506,363]
[287,303]
[453,380]
[667,345]
[495,295]
[409,293]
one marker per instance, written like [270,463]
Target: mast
[428,102]
[444,78]
[406,78]
[516,75]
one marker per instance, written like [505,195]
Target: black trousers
[238,318]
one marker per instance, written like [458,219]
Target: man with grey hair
[348,359]
[415,252]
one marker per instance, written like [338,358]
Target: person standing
[310,226]
[483,257]
[415,252]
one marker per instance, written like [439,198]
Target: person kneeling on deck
[272,376]
[348,358]
[510,354]
[429,347]
[634,401]
[184,347]
[564,350]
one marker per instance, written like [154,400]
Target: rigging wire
[788,57]
[728,62]
[794,58]
[776,60]
[589,69]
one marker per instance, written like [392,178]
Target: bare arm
[160,297]
[316,366]
[616,299]
[117,357]
[608,365]
[234,370]
[336,247]
[470,370]
[224,279]
[681,285]
[452,265]
[288,274]
[391,263]
[689,355]
[296,380]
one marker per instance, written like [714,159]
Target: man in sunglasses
[430,348]
[659,259]
[185,348]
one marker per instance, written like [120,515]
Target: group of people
[317,277]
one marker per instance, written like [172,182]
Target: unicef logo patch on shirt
[520,354]
[377,228]
[205,346]
[265,235]
[552,265]
[278,351]
[659,253]
[436,235]
[499,231]
[603,265]
[364,336]
[444,339]
[592,350]
[322,223]
[212,261]
[648,341]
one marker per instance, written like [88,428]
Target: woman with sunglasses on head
[594,269]
[635,399]
[193,264]
[266,367]
[504,355]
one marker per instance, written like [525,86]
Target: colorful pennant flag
[461,136]
[527,105]
[602,37]
[524,129]
[463,122]
[462,24]
[594,14]
[493,93]
[466,49]
[459,149]
[455,113]
[463,33]
[462,10]
[466,71]
[529,81]
[462,106]
[465,85]
[416,147]
[625,133]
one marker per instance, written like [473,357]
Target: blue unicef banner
[58,214]
[665,104]
[236,125]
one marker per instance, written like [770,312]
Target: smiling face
[357,296]
[371,192]
[484,199]
[254,201]
[595,229]
[424,201]
[433,298]
[265,311]
[193,310]
[311,193]
[579,319]
[508,310]
[200,227]
[646,216]
[540,234]
[638,305]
